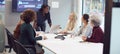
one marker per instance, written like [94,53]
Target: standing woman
[42,15]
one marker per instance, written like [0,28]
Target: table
[70,45]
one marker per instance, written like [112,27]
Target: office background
[10,18]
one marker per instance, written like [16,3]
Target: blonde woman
[71,23]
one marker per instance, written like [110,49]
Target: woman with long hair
[42,15]
[71,24]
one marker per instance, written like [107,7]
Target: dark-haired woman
[86,29]
[97,32]
[42,15]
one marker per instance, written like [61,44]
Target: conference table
[70,45]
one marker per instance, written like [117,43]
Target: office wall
[115,32]
[59,15]
[79,10]
[11,18]
[2,13]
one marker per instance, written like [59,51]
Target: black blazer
[42,18]
[27,34]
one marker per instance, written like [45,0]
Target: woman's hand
[44,37]
[37,34]
[84,38]
[63,32]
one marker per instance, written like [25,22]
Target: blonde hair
[71,23]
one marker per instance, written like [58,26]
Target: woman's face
[71,17]
[46,10]
[91,24]
[82,20]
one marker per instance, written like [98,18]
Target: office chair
[20,48]
[10,41]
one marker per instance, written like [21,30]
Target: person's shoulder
[89,26]
[25,25]
[48,13]
[39,12]
[97,29]
[100,29]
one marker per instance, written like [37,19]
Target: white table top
[71,45]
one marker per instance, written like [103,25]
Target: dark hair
[86,17]
[43,7]
[29,15]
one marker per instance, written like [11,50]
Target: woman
[27,33]
[71,23]
[97,33]
[86,29]
[42,15]
[17,29]
[2,35]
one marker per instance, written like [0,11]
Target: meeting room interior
[59,26]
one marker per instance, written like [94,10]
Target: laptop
[54,29]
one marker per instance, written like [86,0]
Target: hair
[29,15]
[71,23]
[43,7]
[21,16]
[95,20]
[86,17]
[17,28]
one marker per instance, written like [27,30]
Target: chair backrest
[17,47]
[10,39]
[20,48]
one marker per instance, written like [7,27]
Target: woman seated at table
[97,33]
[17,29]
[85,29]
[27,33]
[71,24]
